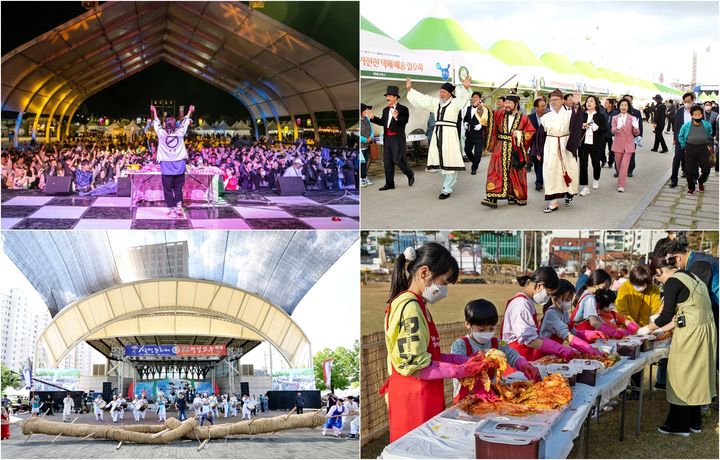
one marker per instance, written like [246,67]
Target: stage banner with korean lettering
[396,65]
[175,350]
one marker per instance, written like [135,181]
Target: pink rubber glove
[632,326]
[611,331]
[589,336]
[527,369]
[624,332]
[550,347]
[442,370]
[451,358]
[581,345]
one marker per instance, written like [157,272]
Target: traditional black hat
[364,107]
[658,98]
[513,97]
[449,87]
[392,91]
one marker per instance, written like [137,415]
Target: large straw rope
[173,429]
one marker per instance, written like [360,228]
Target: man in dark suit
[682,116]
[659,124]
[539,106]
[474,130]
[635,113]
[394,118]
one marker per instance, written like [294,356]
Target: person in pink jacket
[624,127]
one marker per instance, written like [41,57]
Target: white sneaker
[596,184]
[363,183]
[369,181]
[585,191]
[621,189]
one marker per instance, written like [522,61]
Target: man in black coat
[474,130]
[394,118]
[658,124]
[540,107]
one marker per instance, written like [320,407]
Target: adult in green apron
[691,380]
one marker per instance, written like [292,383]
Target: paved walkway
[418,207]
[673,208]
[302,443]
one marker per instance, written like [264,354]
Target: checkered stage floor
[30,209]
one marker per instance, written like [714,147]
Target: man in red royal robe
[509,141]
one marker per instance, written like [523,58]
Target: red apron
[411,401]
[526,352]
[555,338]
[583,325]
[464,392]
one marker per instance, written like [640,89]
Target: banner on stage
[293,379]
[175,350]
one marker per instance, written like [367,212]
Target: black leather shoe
[444,196]
[615,175]
[386,187]
[673,184]
[538,187]
[473,172]
[411,180]
[664,151]
[629,174]
[653,150]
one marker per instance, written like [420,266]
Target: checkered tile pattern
[28,209]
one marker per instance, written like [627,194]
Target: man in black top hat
[475,122]
[659,124]
[394,118]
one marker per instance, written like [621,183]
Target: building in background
[23,319]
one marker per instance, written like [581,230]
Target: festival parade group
[672,298]
[563,140]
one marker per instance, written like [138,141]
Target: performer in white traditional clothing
[245,409]
[136,408]
[115,408]
[234,405]
[197,404]
[162,407]
[143,407]
[562,129]
[98,408]
[351,410]
[68,405]
[122,403]
[445,152]
[214,406]
[226,406]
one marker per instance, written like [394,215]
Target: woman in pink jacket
[624,127]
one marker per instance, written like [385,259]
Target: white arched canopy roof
[173,311]
[271,68]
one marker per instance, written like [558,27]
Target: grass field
[448,310]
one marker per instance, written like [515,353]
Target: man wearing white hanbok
[445,152]
[561,133]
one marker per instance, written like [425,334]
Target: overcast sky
[639,38]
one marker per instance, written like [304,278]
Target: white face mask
[541,297]
[434,293]
[639,288]
[566,306]
[483,337]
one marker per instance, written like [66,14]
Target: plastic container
[588,370]
[604,346]
[629,348]
[502,438]
[566,370]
